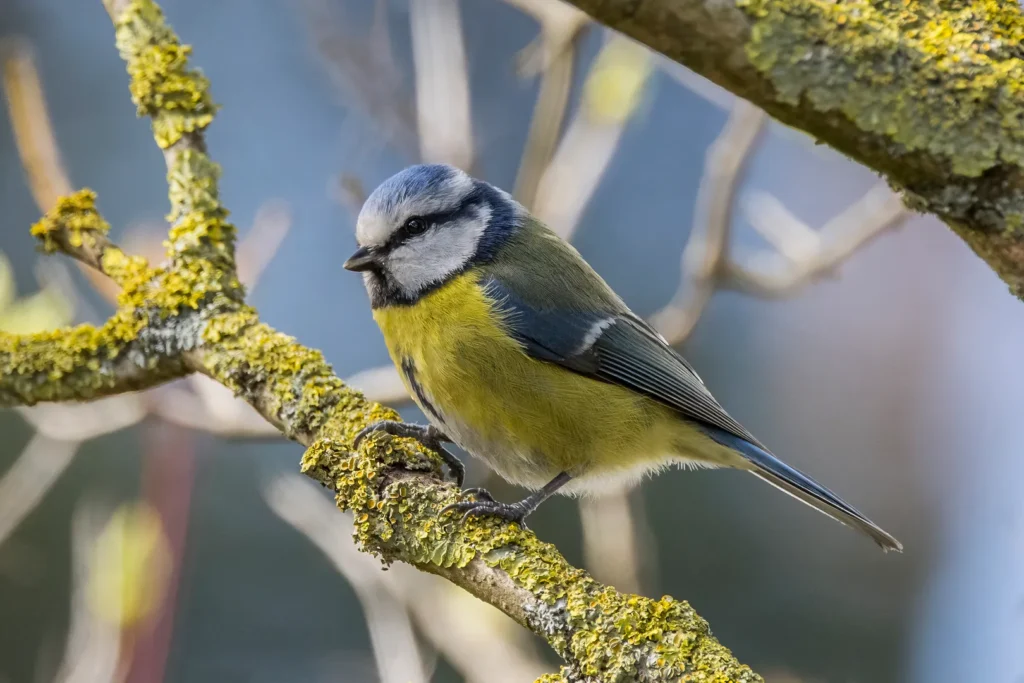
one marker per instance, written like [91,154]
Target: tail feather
[797,484]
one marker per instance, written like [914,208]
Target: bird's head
[425,225]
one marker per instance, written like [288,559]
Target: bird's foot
[484,505]
[428,435]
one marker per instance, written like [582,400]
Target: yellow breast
[529,419]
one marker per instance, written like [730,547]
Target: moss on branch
[75,227]
[163,87]
[81,363]
[177,100]
[74,222]
[603,635]
[946,79]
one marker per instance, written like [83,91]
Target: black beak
[362,260]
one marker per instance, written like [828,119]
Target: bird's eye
[414,226]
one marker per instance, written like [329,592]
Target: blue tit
[517,351]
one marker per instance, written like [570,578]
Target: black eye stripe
[433,220]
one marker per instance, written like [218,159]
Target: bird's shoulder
[561,311]
[547,273]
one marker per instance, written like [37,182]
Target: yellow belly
[528,419]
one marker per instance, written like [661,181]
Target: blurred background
[167,536]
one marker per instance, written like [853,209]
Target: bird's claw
[484,505]
[430,436]
[479,493]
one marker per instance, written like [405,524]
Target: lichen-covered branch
[81,363]
[76,228]
[190,316]
[393,487]
[177,100]
[929,94]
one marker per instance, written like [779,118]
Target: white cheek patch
[372,230]
[430,258]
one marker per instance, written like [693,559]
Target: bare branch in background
[349,192]
[804,254]
[362,65]
[611,95]
[31,122]
[706,250]
[205,409]
[258,248]
[611,548]
[85,421]
[553,56]
[25,483]
[442,83]
[303,505]
[800,254]
[481,643]
[93,646]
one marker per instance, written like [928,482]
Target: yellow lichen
[941,77]
[163,87]
[198,220]
[74,215]
[606,635]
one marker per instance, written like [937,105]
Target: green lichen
[284,378]
[163,87]
[80,363]
[127,271]
[74,216]
[603,634]
[199,226]
[942,77]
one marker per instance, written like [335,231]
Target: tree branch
[925,95]
[190,316]
[177,101]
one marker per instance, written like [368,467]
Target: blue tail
[802,487]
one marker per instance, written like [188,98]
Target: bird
[517,351]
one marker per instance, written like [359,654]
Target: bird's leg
[514,512]
[428,435]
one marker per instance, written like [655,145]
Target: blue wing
[616,347]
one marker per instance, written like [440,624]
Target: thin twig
[706,251]
[382,384]
[26,482]
[442,83]
[483,644]
[775,275]
[93,648]
[612,94]
[553,55]
[611,545]
[260,245]
[395,649]
[362,65]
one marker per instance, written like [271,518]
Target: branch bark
[190,316]
[927,94]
